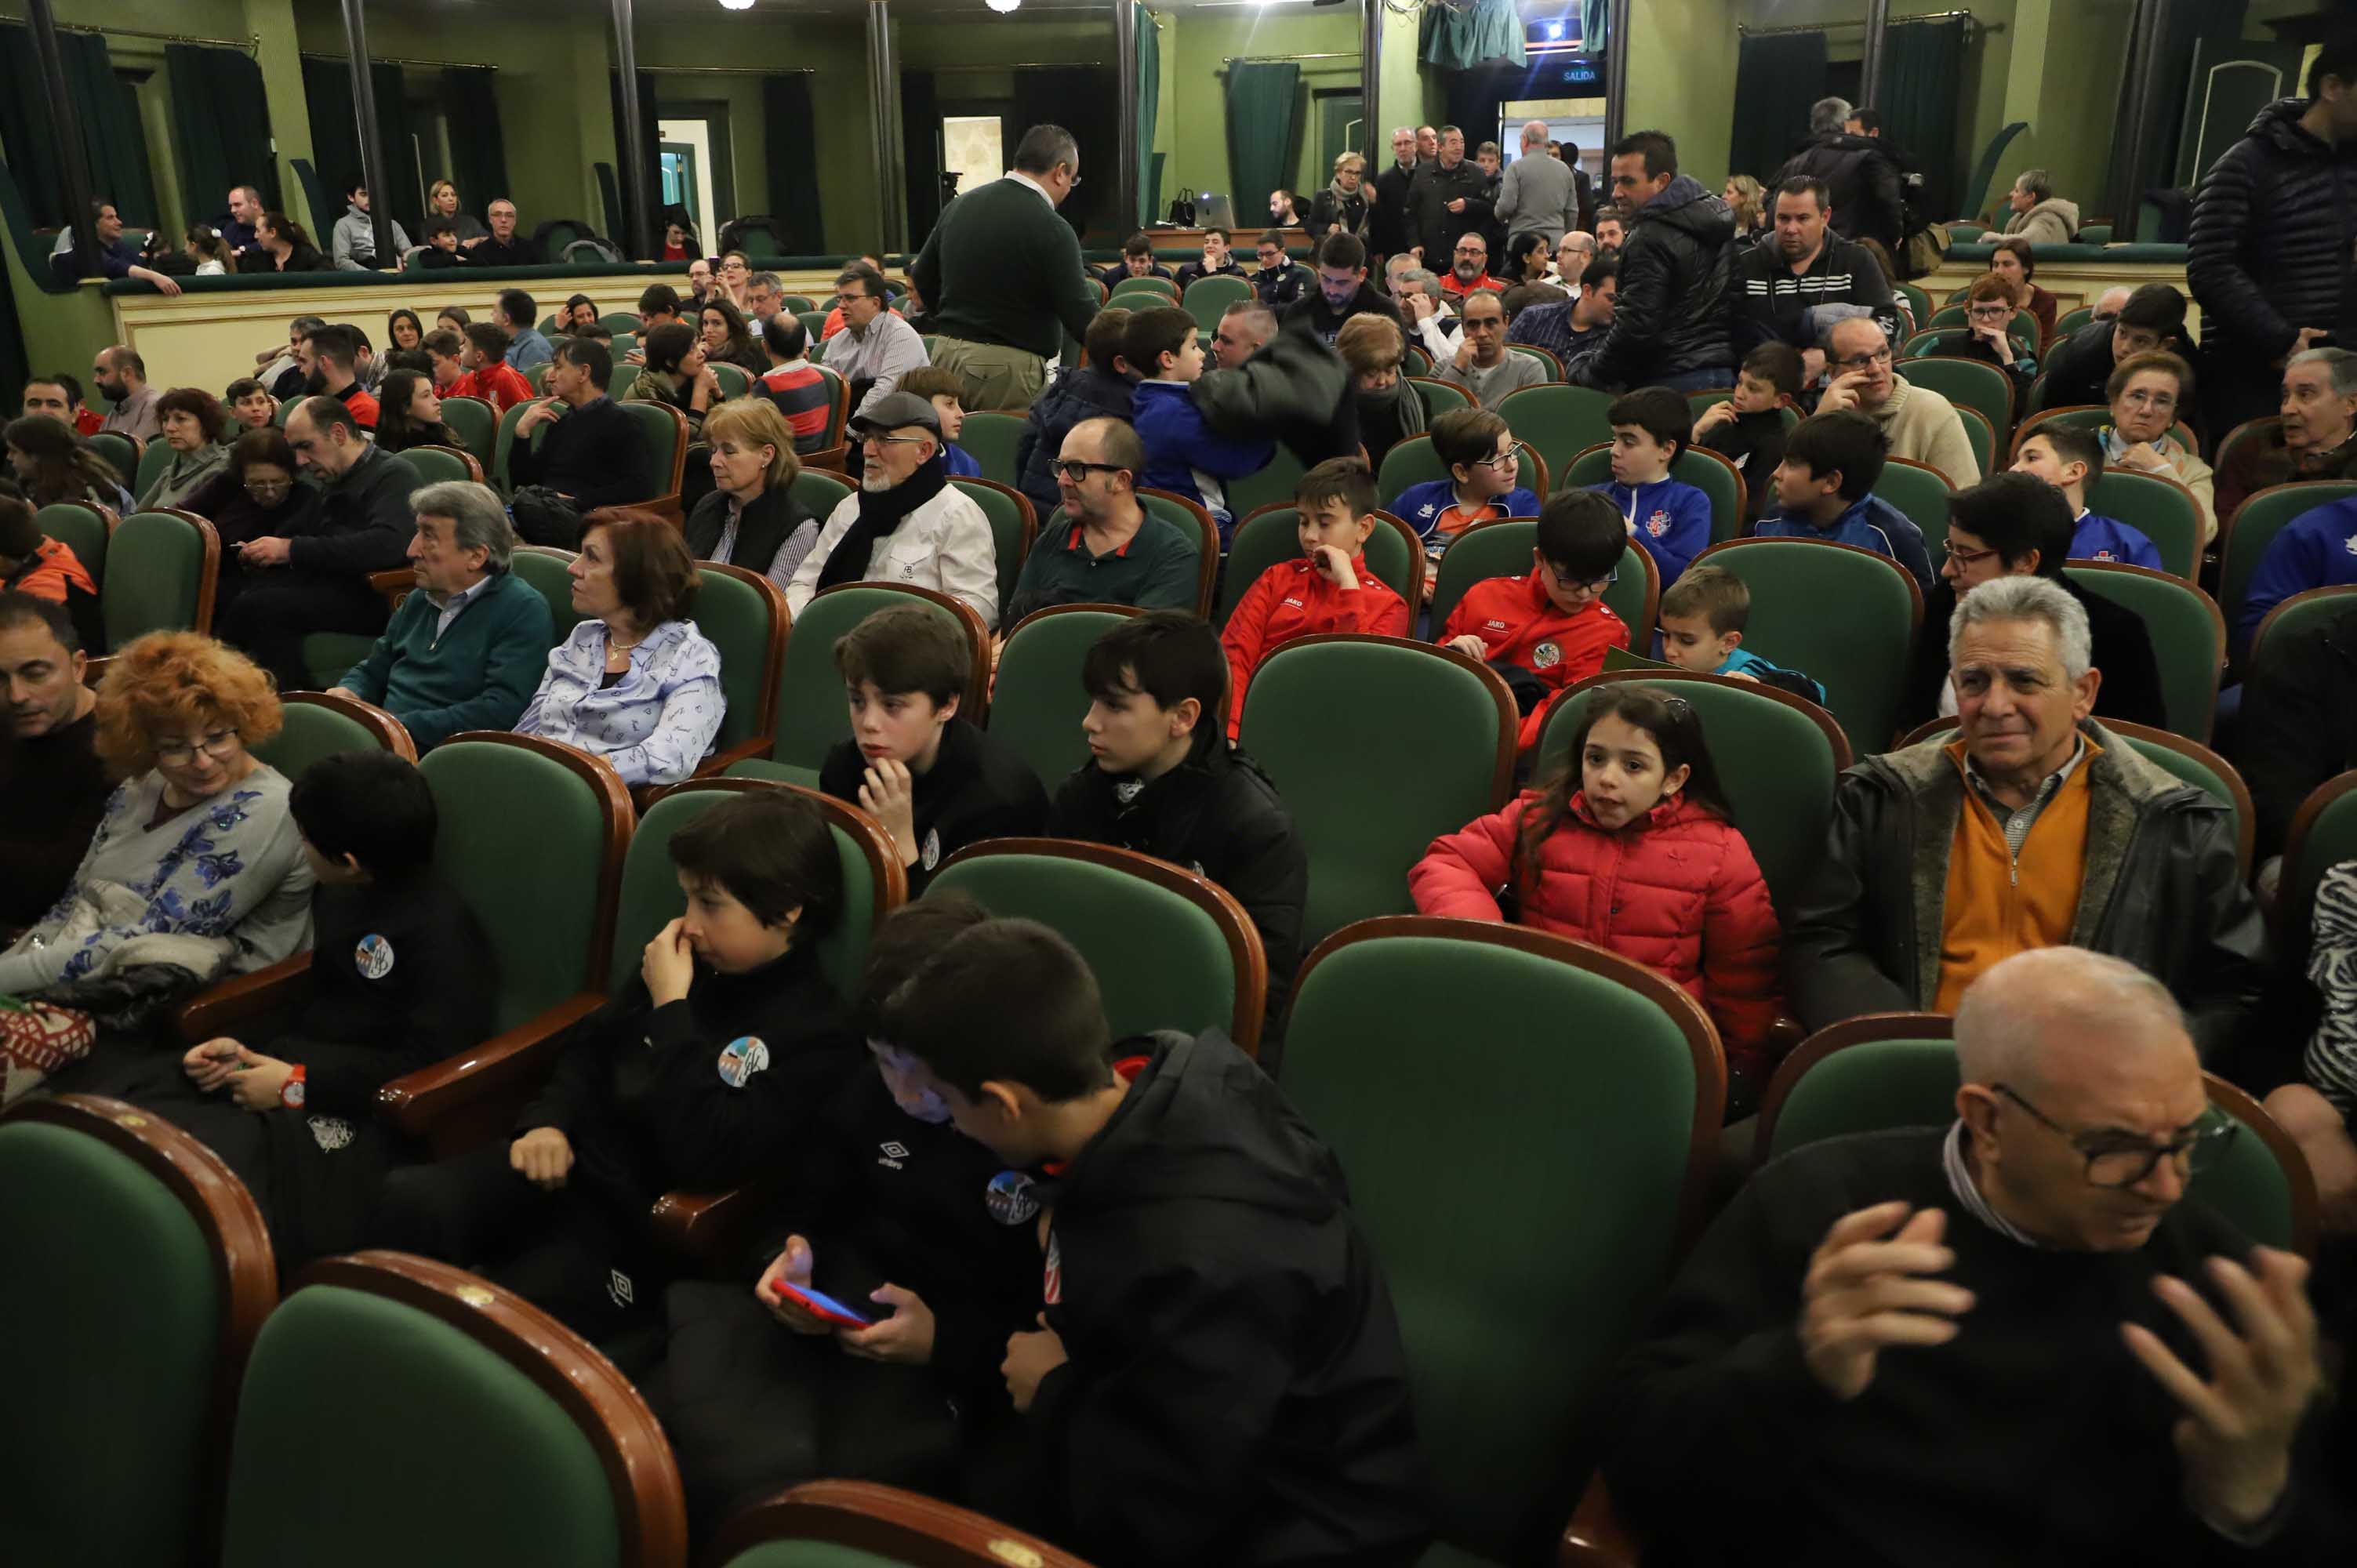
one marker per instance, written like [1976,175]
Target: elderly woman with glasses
[2148,394]
[196,870]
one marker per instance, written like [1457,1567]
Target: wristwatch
[290,1093]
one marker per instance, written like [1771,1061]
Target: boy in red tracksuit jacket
[1631,846]
[1549,628]
[1327,589]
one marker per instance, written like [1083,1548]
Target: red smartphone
[818,1304]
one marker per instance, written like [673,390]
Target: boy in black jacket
[401,977]
[936,782]
[1165,781]
[1218,1376]
[894,1215]
[707,1062]
[1747,429]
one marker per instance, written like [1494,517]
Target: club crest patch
[742,1058]
[931,852]
[1547,655]
[374,957]
[1657,524]
[1009,1197]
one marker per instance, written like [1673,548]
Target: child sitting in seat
[1630,846]
[1183,454]
[943,389]
[934,780]
[935,1239]
[1651,426]
[401,977]
[1484,482]
[1549,628]
[1824,489]
[1703,616]
[1326,588]
[1747,429]
[2068,457]
[704,1064]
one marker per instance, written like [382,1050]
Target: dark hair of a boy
[1714,593]
[1005,1002]
[2072,444]
[1581,534]
[908,937]
[1345,479]
[371,805]
[1661,412]
[1466,436]
[772,851]
[1168,655]
[1108,337]
[1778,364]
[1844,441]
[1164,329]
[904,649]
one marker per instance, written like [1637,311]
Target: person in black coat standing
[1447,198]
[2268,256]
[1670,320]
[1868,194]
[1387,225]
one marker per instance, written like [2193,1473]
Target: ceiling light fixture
[1003,6]
[736,5]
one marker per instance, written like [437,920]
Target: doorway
[1342,128]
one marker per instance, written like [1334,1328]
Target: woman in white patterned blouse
[636,683]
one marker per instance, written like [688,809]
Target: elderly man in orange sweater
[2035,827]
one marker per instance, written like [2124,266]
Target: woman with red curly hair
[197,870]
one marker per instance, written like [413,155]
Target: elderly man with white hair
[2034,827]
[2006,1339]
[1536,195]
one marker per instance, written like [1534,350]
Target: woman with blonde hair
[1749,199]
[1344,206]
[442,206]
[751,519]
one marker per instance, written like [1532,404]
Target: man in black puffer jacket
[1869,196]
[2268,256]
[1669,321]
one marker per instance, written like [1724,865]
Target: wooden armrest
[416,1101]
[393,587]
[219,1009]
[1785,1032]
[1595,1538]
[703,1224]
[720,762]
[831,458]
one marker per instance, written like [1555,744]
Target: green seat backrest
[1274,482]
[624,343]
[1440,397]
[1867,1088]
[153,460]
[618,321]
[839,411]
[1433,737]
[1713,477]
[2190,770]
[510,1476]
[1501,549]
[547,576]
[651,897]
[2331,838]
[505,441]
[663,437]
[122,454]
[1413,462]
[733,379]
[1967,381]
[2070,321]
[434,464]
[2164,510]
[2306,608]
[1922,492]
[1207,299]
[1006,514]
[1777,765]
[735,618]
[2094,235]
[815,323]
[536,377]
[795,304]
[1160,961]
[819,492]
[1980,435]
[1542,357]
[1162,292]
[2024,328]
[1037,701]
[1275,536]
[79,530]
[536,894]
[475,422]
[156,577]
[1559,421]
[990,440]
[1443,1074]
[108,1426]
[2186,639]
[312,730]
[2262,517]
[811,714]
[1916,300]
[813,1554]
[1860,656]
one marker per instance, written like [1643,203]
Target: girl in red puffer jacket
[1632,848]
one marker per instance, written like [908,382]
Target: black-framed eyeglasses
[1964,557]
[2117,1160]
[1501,461]
[1863,361]
[1592,587]
[1077,472]
[882,438]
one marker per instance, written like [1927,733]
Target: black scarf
[880,512]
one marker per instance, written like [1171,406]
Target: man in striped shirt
[1779,282]
[794,384]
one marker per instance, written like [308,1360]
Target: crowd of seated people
[2029,873]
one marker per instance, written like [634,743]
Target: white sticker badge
[374,957]
[741,1058]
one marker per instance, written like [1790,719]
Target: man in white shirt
[908,524]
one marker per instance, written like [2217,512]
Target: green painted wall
[2063,78]
[1682,79]
[1206,41]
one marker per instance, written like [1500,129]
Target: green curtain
[920,147]
[479,152]
[1149,94]
[788,132]
[335,142]
[1922,69]
[221,118]
[26,136]
[1084,100]
[113,137]
[1776,79]
[1484,31]
[1264,117]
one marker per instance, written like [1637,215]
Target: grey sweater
[355,245]
[1536,195]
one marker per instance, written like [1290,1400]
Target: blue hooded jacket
[1870,523]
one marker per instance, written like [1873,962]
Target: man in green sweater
[2009,1339]
[468,649]
[1003,274]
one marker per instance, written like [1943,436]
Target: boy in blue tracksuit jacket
[1651,427]
[1481,459]
[2067,457]
[1183,454]
[1824,489]
[2315,550]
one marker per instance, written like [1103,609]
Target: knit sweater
[1925,427]
[476,675]
[1002,267]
